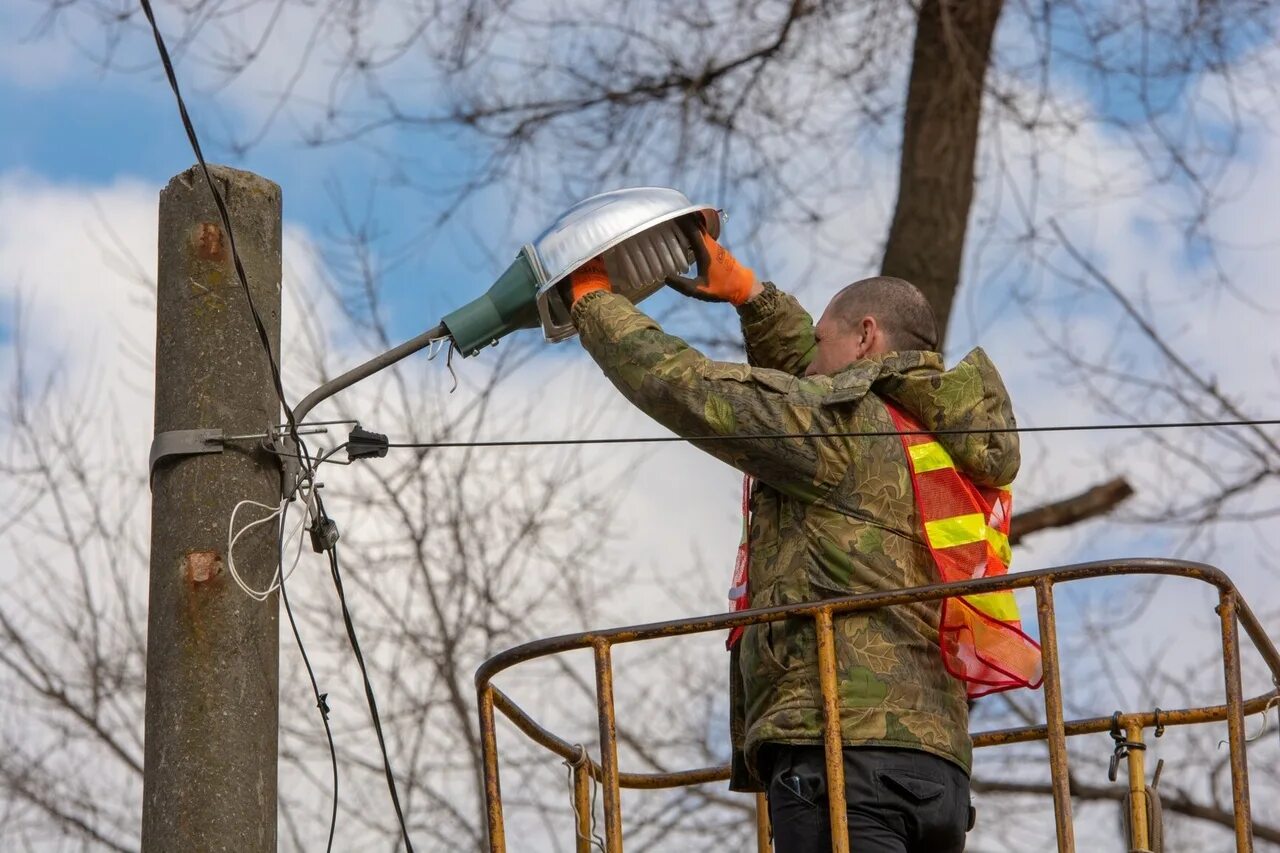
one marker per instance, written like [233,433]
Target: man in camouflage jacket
[829,517]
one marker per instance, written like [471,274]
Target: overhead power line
[322,699]
[224,215]
[666,439]
[302,453]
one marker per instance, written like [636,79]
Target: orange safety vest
[967,530]
[966,527]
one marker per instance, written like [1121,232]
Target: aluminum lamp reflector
[634,229]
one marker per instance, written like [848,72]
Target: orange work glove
[720,277]
[589,278]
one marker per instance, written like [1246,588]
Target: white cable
[233,536]
[298,532]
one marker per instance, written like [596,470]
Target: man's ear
[877,340]
[868,331]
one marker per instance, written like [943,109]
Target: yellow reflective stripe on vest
[1000,544]
[1001,606]
[957,530]
[929,456]
[965,530]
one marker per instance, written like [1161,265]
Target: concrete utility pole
[212,651]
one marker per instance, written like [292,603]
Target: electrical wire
[665,439]
[336,571]
[321,698]
[281,512]
[307,474]
[225,215]
[233,536]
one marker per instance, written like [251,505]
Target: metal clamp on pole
[193,442]
[182,442]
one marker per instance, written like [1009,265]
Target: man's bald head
[903,313]
[869,317]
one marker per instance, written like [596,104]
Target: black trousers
[897,800]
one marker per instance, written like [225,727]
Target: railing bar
[833,739]
[521,720]
[1233,610]
[492,784]
[582,807]
[850,604]
[1235,721]
[608,748]
[1138,809]
[1093,725]
[764,832]
[981,740]
[568,751]
[1054,726]
[1258,636]
[1000,737]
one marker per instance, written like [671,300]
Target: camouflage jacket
[830,516]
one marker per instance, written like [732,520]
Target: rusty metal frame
[1232,611]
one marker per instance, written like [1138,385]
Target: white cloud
[77,264]
[66,257]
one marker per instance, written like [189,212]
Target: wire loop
[580,760]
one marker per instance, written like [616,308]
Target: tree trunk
[939,143]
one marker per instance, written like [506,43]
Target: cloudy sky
[86,149]
[81,165]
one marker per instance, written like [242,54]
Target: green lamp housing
[510,304]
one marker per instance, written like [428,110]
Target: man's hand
[588,278]
[720,277]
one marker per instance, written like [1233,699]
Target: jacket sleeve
[694,396]
[777,331]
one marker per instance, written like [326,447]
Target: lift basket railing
[1233,614]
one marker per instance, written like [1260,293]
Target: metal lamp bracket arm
[192,442]
[289,453]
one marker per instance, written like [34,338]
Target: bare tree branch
[1180,803]
[1092,502]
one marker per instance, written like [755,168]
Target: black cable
[662,439]
[336,571]
[321,698]
[265,339]
[226,219]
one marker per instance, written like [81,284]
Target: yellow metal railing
[1232,611]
